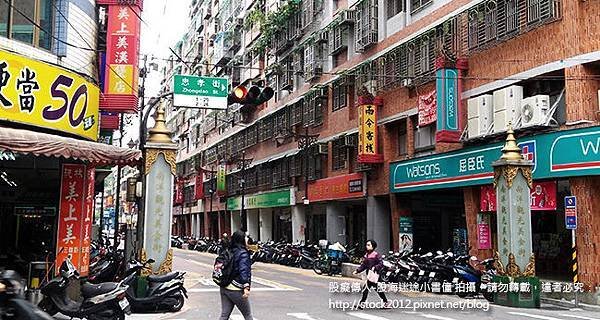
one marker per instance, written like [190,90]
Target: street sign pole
[571,223]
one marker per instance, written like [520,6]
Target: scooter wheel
[317,268]
[179,301]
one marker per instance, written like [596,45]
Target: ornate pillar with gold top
[160,171]
[515,261]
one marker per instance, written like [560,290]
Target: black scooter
[12,303]
[105,301]
[165,293]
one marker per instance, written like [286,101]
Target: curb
[571,305]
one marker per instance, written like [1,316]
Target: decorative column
[515,261]
[160,173]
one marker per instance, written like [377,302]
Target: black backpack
[222,273]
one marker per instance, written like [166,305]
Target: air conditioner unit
[534,110]
[350,140]
[322,148]
[323,36]
[348,16]
[507,107]
[372,86]
[480,113]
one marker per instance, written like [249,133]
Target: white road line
[432,316]
[578,317]
[303,316]
[197,290]
[238,317]
[366,316]
[535,316]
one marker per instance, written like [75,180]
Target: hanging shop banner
[338,187]
[178,185]
[406,233]
[367,134]
[199,187]
[543,196]
[42,95]
[122,45]
[484,235]
[487,198]
[448,89]
[86,225]
[71,208]
[221,179]
[281,198]
[566,153]
[427,109]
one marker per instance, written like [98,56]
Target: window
[295,166]
[188,194]
[210,155]
[282,124]
[14,25]
[264,175]
[339,92]
[280,173]
[266,129]
[286,78]
[296,113]
[315,170]
[339,154]
[402,139]
[424,63]
[312,60]
[313,107]
[394,7]
[424,136]
[250,178]
[365,28]
[539,10]
[252,135]
[338,39]
[307,9]
[417,5]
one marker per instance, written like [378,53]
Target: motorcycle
[330,262]
[105,301]
[164,293]
[12,303]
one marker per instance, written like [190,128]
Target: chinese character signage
[338,187]
[86,225]
[427,109]
[221,183]
[70,218]
[542,197]
[122,44]
[448,99]
[199,188]
[41,95]
[367,134]
[487,198]
[281,198]
[484,235]
[201,92]
[178,199]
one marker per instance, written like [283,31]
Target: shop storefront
[47,190]
[338,204]
[466,176]
[268,214]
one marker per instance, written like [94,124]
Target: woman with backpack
[237,292]
[372,263]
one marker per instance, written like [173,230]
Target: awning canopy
[44,144]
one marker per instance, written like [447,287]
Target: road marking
[578,317]
[535,316]
[238,317]
[198,290]
[366,316]
[303,316]
[432,316]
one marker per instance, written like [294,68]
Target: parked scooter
[105,301]
[164,293]
[12,303]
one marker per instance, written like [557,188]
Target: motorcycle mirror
[150,261]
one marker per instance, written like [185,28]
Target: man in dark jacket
[237,293]
[372,262]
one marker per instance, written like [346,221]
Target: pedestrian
[372,263]
[237,292]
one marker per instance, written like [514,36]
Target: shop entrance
[316,224]
[282,225]
[439,221]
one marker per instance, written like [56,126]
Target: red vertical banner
[88,216]
[199,194]
[70,217]
[178,185]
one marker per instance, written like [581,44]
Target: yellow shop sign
[39,94]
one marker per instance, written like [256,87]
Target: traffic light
[250,97]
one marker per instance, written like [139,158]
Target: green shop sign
[566,153]
[281,198]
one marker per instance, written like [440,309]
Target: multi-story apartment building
[322,55]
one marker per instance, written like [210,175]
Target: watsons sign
[557,154]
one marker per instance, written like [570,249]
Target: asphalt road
[280,292]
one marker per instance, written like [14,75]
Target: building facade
[322,56]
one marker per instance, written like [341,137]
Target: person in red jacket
[372,262]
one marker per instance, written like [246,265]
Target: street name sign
[200,92]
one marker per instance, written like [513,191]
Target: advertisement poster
[543,196]
[427,109]
[406,233]
[484,237]
[487,198]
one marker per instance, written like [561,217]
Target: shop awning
[44,144]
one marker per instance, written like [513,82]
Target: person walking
[238,291]
[372,263]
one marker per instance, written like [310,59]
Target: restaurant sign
[558,154]
[42,95]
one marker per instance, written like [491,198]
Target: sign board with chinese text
[405,225]
[46,96]
[338,187]
[367,134]
[35,211]
[448,103]
[542,197]
[221,179]
[571,212]
[484,234]
[86,224]
[566,153]
[201,92]
[427,109]
[122,45]
[281,198]
[199,186]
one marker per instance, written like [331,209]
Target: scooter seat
[89,290]
[164,278]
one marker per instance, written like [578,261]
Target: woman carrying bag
[372,263]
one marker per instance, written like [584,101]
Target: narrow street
[280,292]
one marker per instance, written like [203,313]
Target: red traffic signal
[250,97]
